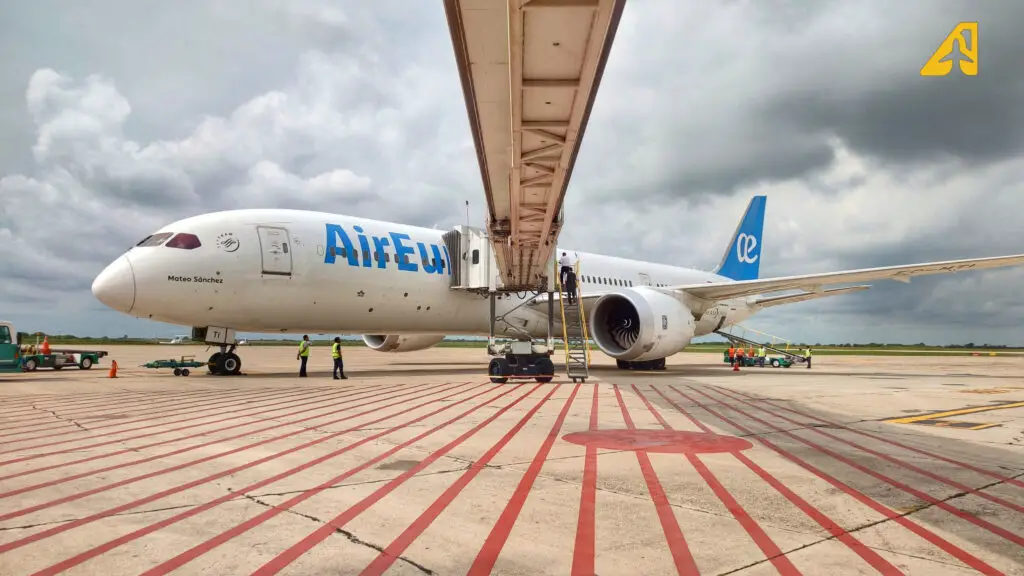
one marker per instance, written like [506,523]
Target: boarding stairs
[750,337]
[574,332]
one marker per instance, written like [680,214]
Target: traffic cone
[736,366]
[113,369]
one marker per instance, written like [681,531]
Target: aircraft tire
[214,363]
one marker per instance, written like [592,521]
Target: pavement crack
[347,534]
[59,417]
[127,513]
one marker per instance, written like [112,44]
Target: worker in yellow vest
[303,355]
[339,365]
[761,354]
[807,354]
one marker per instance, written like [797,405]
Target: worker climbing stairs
[574,331]
[754,339]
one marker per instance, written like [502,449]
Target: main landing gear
[658,364]
[225,362]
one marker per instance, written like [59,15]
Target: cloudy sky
[119,116]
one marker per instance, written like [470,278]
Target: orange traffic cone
[736,366]
[113,369]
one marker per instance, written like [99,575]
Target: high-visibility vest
[732,352]
[739,351]
[808,354]
[304,348]
[336,350]
[762,352]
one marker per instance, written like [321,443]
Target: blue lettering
[401,252]
[364,246]
[335,233]
[427,266]
[379,244]
[447,259]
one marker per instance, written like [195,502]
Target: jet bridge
[530,70]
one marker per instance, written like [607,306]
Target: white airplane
[289,271]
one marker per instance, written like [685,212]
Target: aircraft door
[276,250]
[645,280]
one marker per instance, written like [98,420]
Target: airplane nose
[115,286]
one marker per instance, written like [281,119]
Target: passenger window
[5,335]
[355,253]
[284,246]
[154,239]
[631,283]
[476,256]
[387,256]
[184,241]
[433,263]
[376,256]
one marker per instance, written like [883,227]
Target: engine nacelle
[401,343]
[640,324]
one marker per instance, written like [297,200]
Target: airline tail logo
[746,248]
[960,48]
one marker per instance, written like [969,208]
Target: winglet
[742,259]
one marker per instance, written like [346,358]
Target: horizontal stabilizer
[813,282]
[804,296]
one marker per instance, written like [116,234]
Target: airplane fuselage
[289,271]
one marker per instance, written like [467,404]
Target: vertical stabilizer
[742,258]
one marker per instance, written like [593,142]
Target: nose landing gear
[225,362]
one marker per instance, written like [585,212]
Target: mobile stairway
[574,332]
[748,336]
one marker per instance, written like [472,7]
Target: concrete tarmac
[417,464]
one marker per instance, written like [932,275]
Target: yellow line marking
[934,415]
[983,426]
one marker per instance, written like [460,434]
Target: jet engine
[401,343]
[640,324]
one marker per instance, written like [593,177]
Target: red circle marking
[662,441]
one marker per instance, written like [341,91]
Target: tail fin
[742,259]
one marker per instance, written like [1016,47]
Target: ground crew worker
[739,356]
[339,365]
[732,354]
[807,354]
[761,353]
[303,355]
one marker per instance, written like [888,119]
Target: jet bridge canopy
[530,70]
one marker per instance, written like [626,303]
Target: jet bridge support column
[473,268]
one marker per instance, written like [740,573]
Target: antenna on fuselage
[467,212]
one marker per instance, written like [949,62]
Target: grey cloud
[356,108]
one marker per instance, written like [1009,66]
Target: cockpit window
[154,239]
[184,241]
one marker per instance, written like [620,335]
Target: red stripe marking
[771,551]
[91,553]
[204,406]
[989,473]
[495,541]
[151,405]
[265,409]
[386,558]
[928,535]
[869,555]
[583,554]
[684,561]
[959,486]
[231,413]
[892,482]
[41,415]
[80,401]
[257,444]
[319,406]
[285,558]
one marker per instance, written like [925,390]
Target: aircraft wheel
[499,370]
[214,363]
[229,364]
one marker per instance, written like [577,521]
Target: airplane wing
[814,282]
[804,296]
